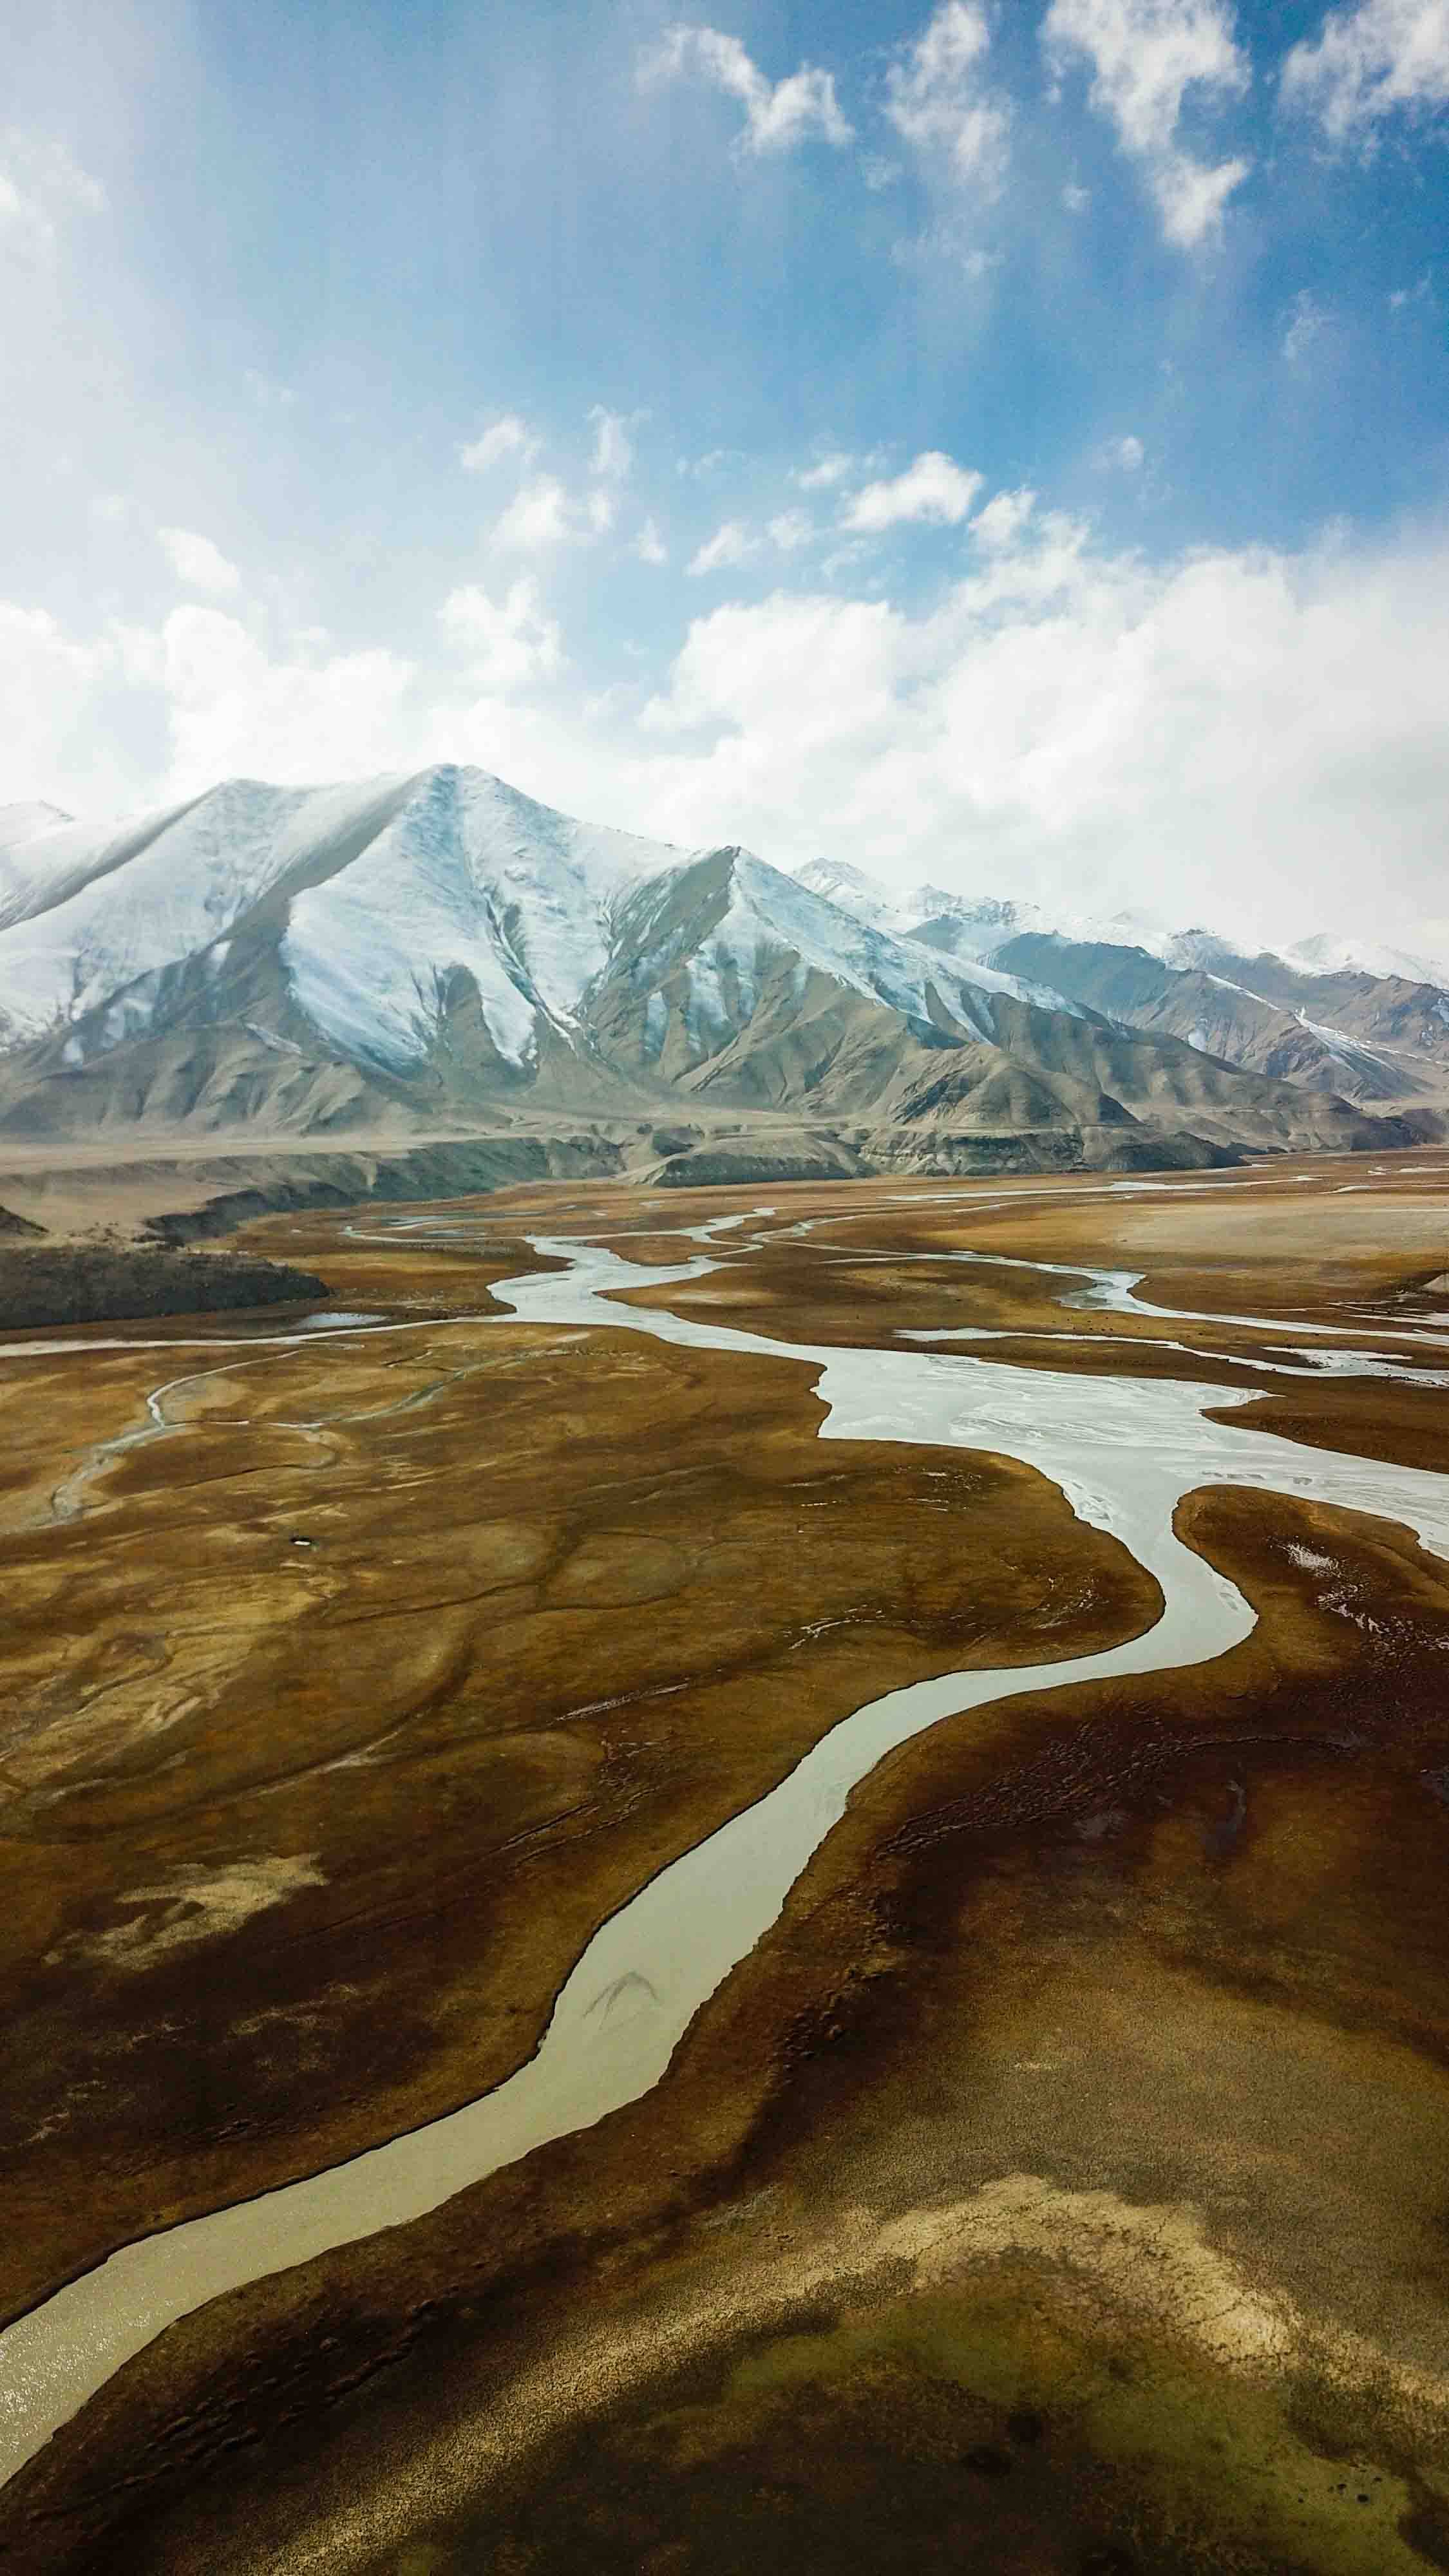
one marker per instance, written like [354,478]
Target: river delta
[727,1879]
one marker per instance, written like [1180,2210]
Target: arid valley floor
[1015,2139]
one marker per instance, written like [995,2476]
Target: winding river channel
[1123,1450]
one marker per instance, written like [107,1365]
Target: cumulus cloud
[740,663]
[790,529]
[1069,715]
[48,682]
[544,514]
[1191,196]
[730,545]
[507,436]
[509,643]
[934,491]
[304,716]
[1246,735]
[1145,56]
[197,562]
[778,115]
[1385,57]
[649,546]
[936,100]
[1000,523]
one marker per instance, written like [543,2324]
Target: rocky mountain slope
[1370,1024]
[438,954]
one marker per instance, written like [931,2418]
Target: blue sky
[1005,443]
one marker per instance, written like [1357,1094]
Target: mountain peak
[25,822]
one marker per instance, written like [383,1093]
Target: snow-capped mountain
[851,890]
[1324,954]
[435,948]
[1363,1020]
[377,904]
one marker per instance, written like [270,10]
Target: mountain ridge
[1320,1013]
[435,949]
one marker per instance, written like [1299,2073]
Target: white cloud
[649,546]
[48,683]
[508,436]
[1307,322]
[790,530]
[1383,57]
[936,102]
[831,469]
[233,710]
[1076,199]
[741,664]
[1244,735]
[613,441]
[1191,196]
[1000,523]
[934,491]
[1274,722]
[731,544]
[544,514]
[778,115]
[952,241]
[510,643]
[878,172]
[1145,56]
[1120,455]
[700,468]
[196,562]
[40,183]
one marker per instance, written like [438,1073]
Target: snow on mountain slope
[973,925]
[384,889]
[898,971]
[978,920]
[722,938]
[1330,1014]
[553,883]
[1323,954]
[45,855]
[387,903]
[187,886]
[433,943]
[855,892]
[467,876]
[21,823]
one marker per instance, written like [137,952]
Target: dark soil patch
[91,1285]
